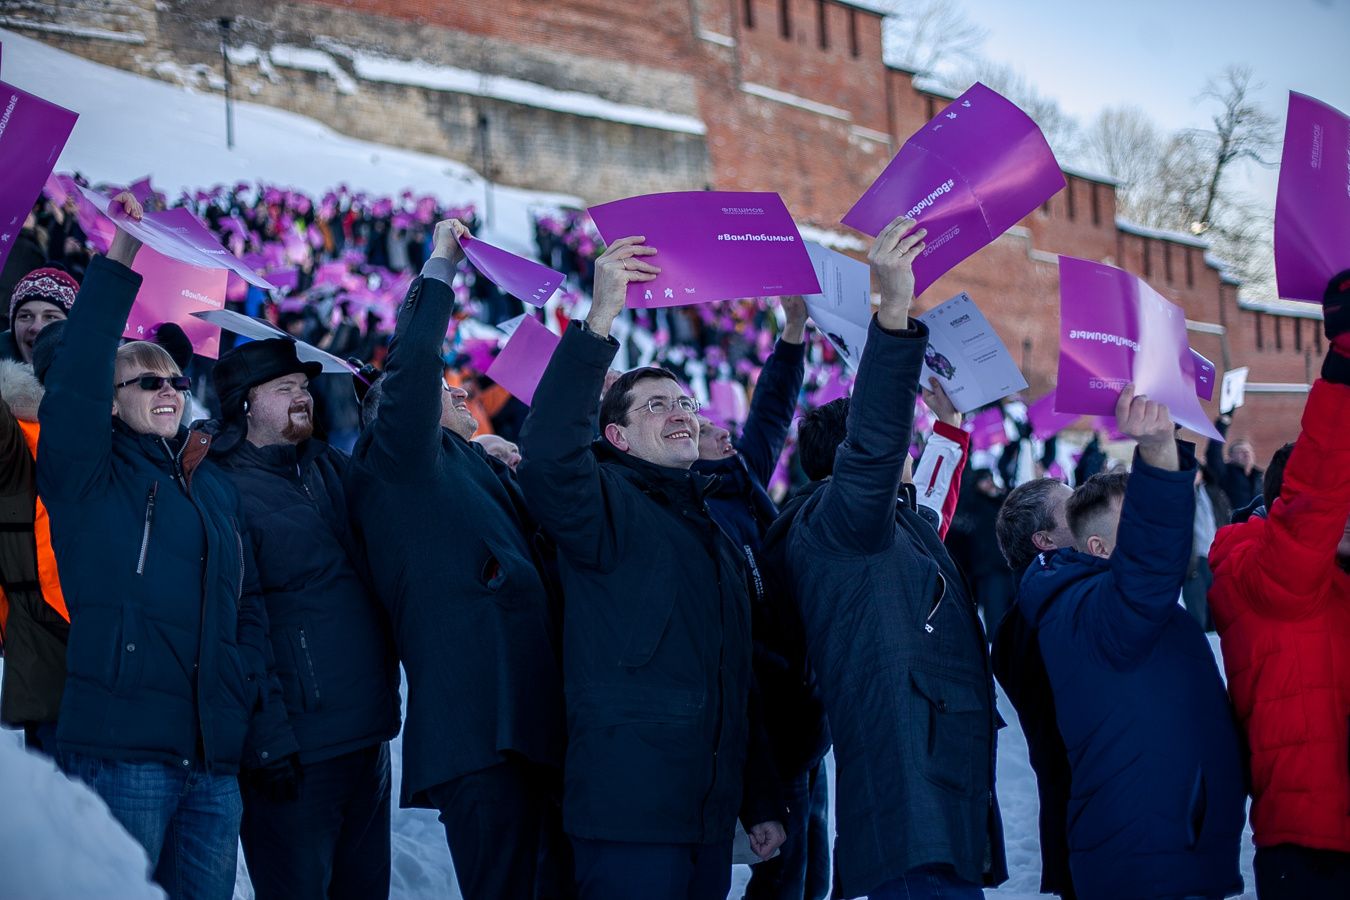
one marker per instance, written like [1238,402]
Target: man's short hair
[618,400]
[1027,510]
[148,357]
[1274,477]
[1088,510]
[370,403]
[819,435]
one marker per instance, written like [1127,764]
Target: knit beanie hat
[49,285]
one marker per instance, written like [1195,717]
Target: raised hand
[445,240]
[794,307]
[892,260]
[940,404]
[124,246]
[1150,424]
[621,264]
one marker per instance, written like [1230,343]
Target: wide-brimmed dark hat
[245,367]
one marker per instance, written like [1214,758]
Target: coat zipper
[309,661]
[942,586]
[239,542]
[145,534]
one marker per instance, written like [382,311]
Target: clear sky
[1157,54]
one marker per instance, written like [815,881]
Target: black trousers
[332,843]
[617,870]
[1291,872]
[505,833]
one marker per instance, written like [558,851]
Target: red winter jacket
[1282,607]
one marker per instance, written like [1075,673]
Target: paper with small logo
[843,308]
[1114,329]
[1234,391]
[178,235]
[262,330]
[967,176]
[1045,422]
[1312,204]
[524,279]
[521,363]
[171,292]
[32,135]
[967,356]
[1204,376]
[711,245]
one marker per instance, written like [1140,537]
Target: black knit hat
[247,366]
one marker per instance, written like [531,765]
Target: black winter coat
[454,564]
[334,648]
[663,743]
[168,644]
[897,646]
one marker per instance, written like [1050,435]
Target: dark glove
[1336,324]
[278,781]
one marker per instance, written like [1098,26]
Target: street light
[225,57]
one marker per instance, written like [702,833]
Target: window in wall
[1190,268]
[785,18]
[749,11]
[1096,206]
[1317,339]
[822,31]
[1298,334]
[1279,338]
[853,47]
[1068,196]
[1167,261]
[1260,338]
[1148,258]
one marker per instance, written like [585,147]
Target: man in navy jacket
[1157,800]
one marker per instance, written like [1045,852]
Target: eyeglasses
[155,382]
[659,406]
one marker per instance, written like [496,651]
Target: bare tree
[1126,143]
[924,36]
[1242,130]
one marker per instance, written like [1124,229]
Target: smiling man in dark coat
[453,559]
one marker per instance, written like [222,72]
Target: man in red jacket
[1281,601]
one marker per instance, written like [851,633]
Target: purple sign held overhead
[1312,205]
[1204,376]
[171,292]
[967,176]
[1114,329]
[520,365]
[1045,421]
[178,235]
[524,279]
[32,134]
[711,245]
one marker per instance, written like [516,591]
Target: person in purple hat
[40,298]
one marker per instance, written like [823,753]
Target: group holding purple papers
[621,638]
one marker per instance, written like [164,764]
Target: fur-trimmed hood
[20,389]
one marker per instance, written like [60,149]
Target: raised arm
[406,435]
[858,506]
[775,399]
[559,474]
[75,453]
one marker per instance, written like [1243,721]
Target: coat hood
[1049,574]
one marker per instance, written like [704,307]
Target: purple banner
[97,227]
[520,364]
[712,245]
[524,279]
[1045,422]
[1114,329]
[986,429]
[1312,205]
[967,176]
[32,135]
[178,235]
[171,292]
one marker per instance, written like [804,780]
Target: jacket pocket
[949,728]
[145,530]
[650,618]
[302,647]
[128,652]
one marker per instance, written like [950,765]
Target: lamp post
[225,57]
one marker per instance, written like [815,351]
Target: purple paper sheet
[1114,329]
[97,227]
[521,363]
[711,245]
[261,330]
[986,429]
[967,176]
[1312,204]
[171,292]
[1204,376]
[32,135]
[143,192]
[524,279]
[1045,421]
[178,235]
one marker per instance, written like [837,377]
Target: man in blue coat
[1157,799]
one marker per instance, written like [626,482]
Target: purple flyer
[1045,421]
[520,364]
[524,279]
[1204,376]
[171,292]
[1114,329]
[261,330]
[32,135]
[967,176]
[711,245]
[986,429]
[1312,204]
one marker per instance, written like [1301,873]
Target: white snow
[768,93]
[303,58]
[82,31]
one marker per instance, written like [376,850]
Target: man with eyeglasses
[316,823]
[664,747]
[169,665]
[456,563]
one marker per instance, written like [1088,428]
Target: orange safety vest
[42,534]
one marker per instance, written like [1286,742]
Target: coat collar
[670,484]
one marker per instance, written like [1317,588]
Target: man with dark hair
[818,438]
[891,630]
[453,559]
[1281,601]
[1273,481]
[1156,809]
[664,744]
[1032,522]
[321,831]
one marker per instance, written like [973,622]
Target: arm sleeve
[558,472]
[269,729]
[771,407]
[937,482]
[856,513]
[762,791]
[1214,449]
[75,453]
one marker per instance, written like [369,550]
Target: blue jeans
[802,869]
[186,819]
[928,883]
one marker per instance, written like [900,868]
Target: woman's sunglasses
[155,382]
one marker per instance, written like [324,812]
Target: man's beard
[297,433]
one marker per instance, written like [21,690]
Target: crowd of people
[620,636]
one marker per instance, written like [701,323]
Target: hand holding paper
[124,246]
[940,403]
[892,259]
[619,266]
[446,240]
[794,308]
[1150,424]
